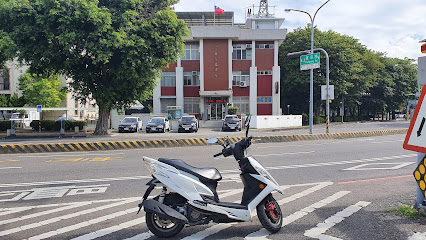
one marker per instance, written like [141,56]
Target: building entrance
[216,108]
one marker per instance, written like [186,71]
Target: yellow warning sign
[420,176]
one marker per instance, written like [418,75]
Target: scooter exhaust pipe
[163,211]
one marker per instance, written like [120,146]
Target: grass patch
[407,211]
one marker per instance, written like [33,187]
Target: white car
[158,124]
[130,124]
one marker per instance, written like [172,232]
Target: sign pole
[420,198]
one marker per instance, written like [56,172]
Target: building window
[192,52]
[265,46]
[191,78]
[264,99]
[4,79]
[240,76]
[165,102]
[264,73]
[241,52]
[191,105]
[242,103]
[168,79]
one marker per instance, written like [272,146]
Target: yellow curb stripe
[69,145]
[86,146]
[39,147]
[32,148]
[78,146]
[47,147]
[122,145]
[62,147]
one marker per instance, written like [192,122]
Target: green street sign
[310,61]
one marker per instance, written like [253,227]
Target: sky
[394,27]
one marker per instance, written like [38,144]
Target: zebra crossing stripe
[222,226]
[263,233]
[82,224]
[68,216]
[7,221]
[321,228]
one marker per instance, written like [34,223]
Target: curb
[120,145]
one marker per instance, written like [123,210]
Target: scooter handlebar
[217,154]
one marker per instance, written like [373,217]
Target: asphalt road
[338,188]
[34,137]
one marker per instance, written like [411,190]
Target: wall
[280,121]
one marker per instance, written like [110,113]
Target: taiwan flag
[218,10]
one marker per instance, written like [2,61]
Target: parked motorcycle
[189,195]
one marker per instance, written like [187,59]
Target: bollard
[76,128]
[8,132]
[85,129]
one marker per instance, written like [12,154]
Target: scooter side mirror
[212,140]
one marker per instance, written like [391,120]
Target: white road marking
[400,140]
[106,231]
[52,192]
[321,228]
[263,233]
[7,185]
[11,220]
[364,167]
[340,162]
[68,216]
[82,224]
[142,236]
[222,226]
[418,236]
[280,154]
[307,165]
[3,168]
[319,144]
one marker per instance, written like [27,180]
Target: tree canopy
[42,90]
[365,80]
[111,49]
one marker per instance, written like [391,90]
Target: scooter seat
[206,173]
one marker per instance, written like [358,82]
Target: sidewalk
[27,141]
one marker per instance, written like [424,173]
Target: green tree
[15,101]
[7,48]
[365,80]
[112,49]
[42,90]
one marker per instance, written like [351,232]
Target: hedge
[4,125]
[52,125]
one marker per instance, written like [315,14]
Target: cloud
[391,26]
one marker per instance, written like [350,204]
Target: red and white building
[225,64]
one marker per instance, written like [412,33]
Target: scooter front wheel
[269,214]
[162,227]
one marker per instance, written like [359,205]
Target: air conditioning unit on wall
[243,84]
[248,46]
[194,73]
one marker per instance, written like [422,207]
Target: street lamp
[311,88]
[288,109]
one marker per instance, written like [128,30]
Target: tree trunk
[102,123]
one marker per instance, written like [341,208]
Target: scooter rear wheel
[162,227]
[269,214]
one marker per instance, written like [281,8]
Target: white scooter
[189,194]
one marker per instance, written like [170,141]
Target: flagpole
[214,16]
